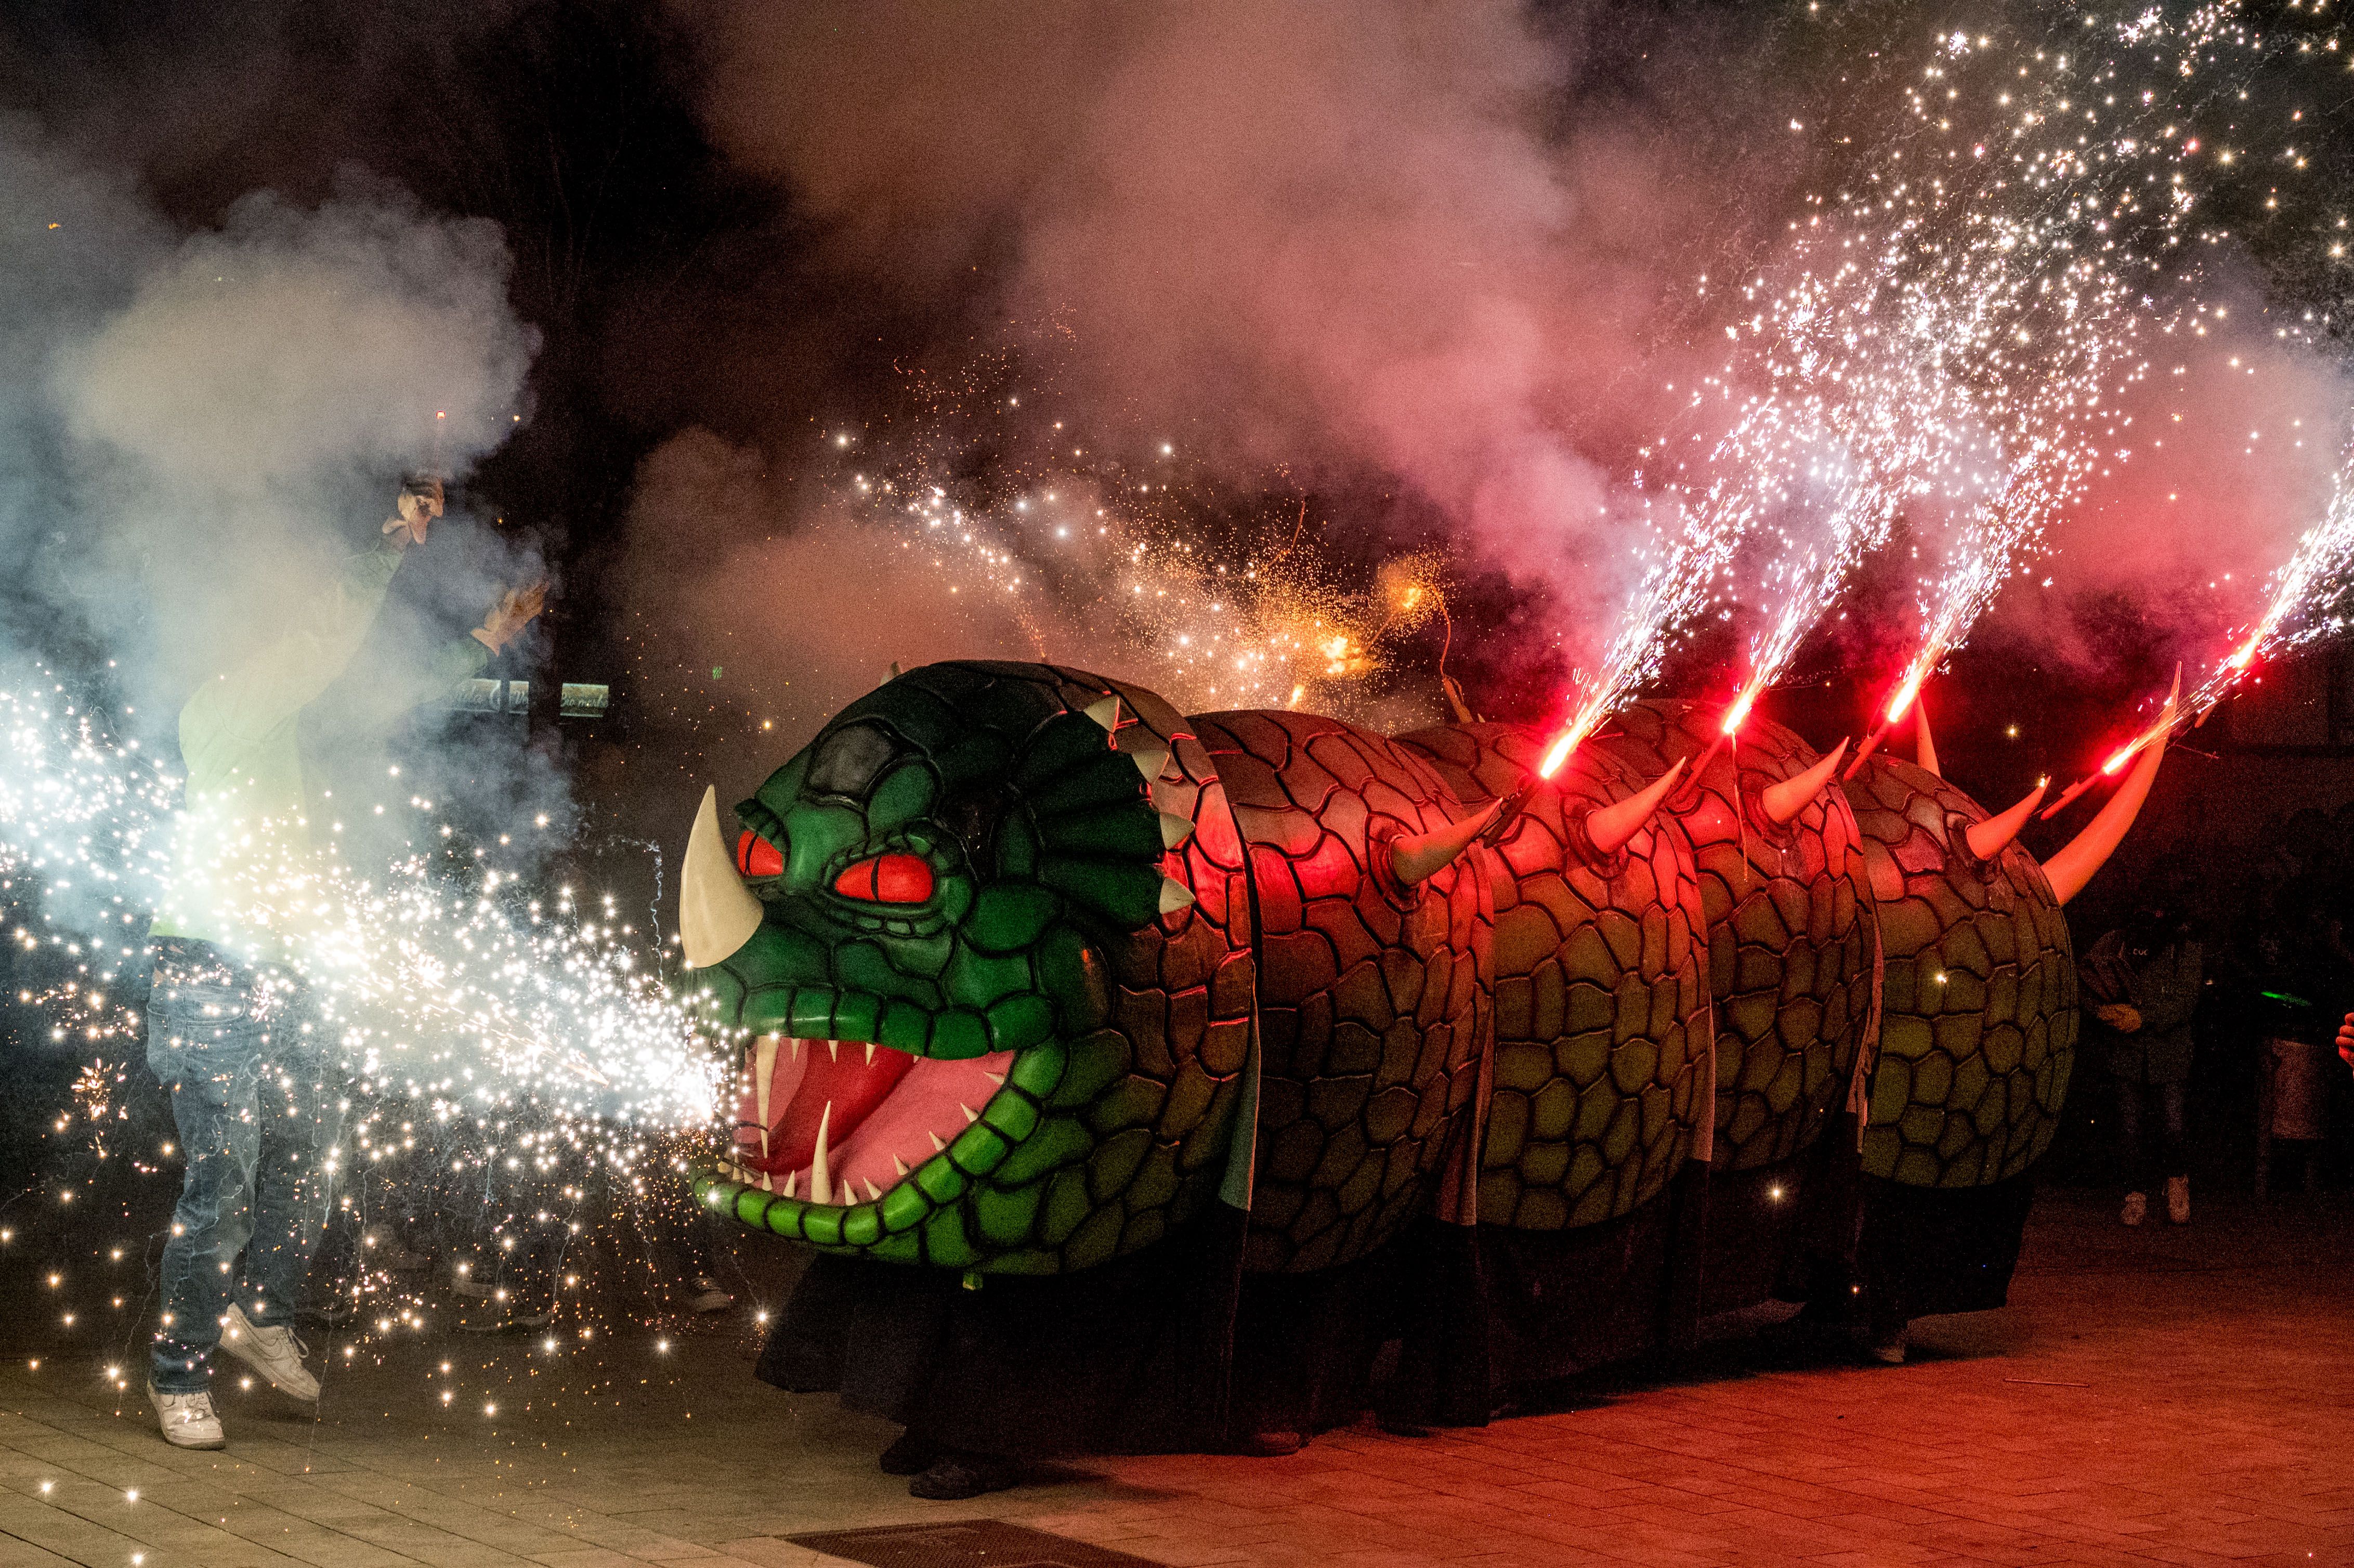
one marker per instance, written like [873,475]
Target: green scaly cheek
[1021,1190]
[1063,1157]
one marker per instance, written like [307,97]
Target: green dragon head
[993,997]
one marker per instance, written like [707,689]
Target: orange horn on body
[1987,838]
[1608,828]
[2073,866]
[1782,802]
[1415,857]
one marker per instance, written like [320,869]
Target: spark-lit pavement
[2151,1396]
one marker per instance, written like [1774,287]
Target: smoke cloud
[2223,457]
[199,427]
[1457,252]
[221,415]
[1360,244]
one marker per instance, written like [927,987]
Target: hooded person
[231,1034]
[2146,978]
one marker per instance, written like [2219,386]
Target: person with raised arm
[231,1034]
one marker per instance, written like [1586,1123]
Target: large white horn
[1609,828]
[1925,750]
[1782,802]
[2086,853]
[716,912]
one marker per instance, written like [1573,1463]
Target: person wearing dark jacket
[2145,979]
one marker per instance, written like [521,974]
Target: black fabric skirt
[1129,1356]
[1173,1349]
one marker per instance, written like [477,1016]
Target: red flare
[1738,713]
[2123,753]
[1904,695]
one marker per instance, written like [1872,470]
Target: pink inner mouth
[844,1121]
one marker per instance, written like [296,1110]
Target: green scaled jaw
[965,877]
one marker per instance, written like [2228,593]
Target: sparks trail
[489,999]
[2303,604]
[1948,335]
[1269,621]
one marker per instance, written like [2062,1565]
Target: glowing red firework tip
[1738,713]
[1583,723]
[1905,693]
[2168,718]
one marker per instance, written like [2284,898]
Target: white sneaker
[707,1295]
[188,1419]
[275,1353]
[2136,1207]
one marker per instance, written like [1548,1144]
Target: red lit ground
[2154,1396]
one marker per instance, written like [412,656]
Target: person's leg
[670,1227]
[2173,1152]
[521,1257]
[2129,1151]
[301,1116]
[205,1050]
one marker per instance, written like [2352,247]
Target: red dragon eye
[887,879]
[756,856]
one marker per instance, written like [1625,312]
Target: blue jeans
[258,1118]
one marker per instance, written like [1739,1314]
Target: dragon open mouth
[842,1122]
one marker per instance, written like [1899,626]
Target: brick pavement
[2150,1398]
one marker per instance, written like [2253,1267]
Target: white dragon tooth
[792,1178]
[997,1079]
[767,1184]
[1174,830]
[821,1187]
[872,1192]
[763,1064]
[899,1165]
[937,1146]
[969,1114]
[833,1050]
[1104,711]
[870,1053]
[1174,896]
[1149,760]
[795,1041]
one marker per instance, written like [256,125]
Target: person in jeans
[2146,980]
[230,1033]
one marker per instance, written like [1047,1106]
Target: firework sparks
[1956,324]
[1267,621]
[466,992]
[2303,605]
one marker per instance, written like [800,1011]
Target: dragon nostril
[756,856]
